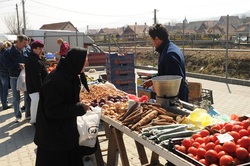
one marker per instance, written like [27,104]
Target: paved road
[16,139]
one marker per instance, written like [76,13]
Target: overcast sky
[98,14]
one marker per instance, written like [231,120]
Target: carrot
[129,111]
[153,104]
[145,119]
[166,117]
[139,113]
[161,111]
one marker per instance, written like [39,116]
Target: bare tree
[12,23]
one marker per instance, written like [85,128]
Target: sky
[96,14]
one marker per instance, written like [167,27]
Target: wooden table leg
[142,153]
[121,147]
[154,159]
[112,148]
[98,154]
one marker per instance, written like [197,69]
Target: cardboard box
[148,92]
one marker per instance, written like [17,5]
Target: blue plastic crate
[119,70]
[121,80]
[121,60]
[50,56]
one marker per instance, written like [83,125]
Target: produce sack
[88,126]
[200,118]
[21,84]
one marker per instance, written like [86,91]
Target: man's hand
[147,84]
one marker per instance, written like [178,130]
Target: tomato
[186,142]
[207,139]
[216,127]
[204,133]
[213,165]
[229,147]
[190,155]
[241,153]
[235,135]
[237,128]
[218,148]
[244,142]
[221,153]
[192,150]
[196,144]
[204,162]
[200,140]
[209,146]
[237,161]
[243,132]
[228,127]
[211,156]
[245,123]
[234,117]
[201,152]
[227,160]
[182,149]
[196,135]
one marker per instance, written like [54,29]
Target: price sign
[224,137]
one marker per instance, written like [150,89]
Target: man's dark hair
[158,30]
[22,38]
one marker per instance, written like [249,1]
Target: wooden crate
[195,90]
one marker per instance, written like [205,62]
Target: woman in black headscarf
[56,132]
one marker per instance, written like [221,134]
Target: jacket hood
[74,61]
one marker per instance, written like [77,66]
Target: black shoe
[23,108]
[5,108]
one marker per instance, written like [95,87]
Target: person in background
[35,71]
[171,60]
[56,134]
[64,47]
[4,77]
[13,60]
[27,100]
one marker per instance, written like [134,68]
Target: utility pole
[18,24]
[155,20]
[24,20]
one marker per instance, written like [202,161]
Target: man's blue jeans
[4,88]
[16,97]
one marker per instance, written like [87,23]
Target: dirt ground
[212,62]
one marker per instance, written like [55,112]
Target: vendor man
[171,60]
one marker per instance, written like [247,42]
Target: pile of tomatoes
[207,149]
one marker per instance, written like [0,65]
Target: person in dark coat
[56,134]
[171,60]
[35,71]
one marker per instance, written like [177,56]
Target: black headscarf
[74,62]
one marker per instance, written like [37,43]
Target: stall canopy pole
[227,47]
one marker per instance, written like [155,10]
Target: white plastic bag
[88,126]
[21,84]
[33,106]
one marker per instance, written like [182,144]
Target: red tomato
[245,123]
[196,144]
[200,140]
[190,155]
[227,160]
[241,153]
[218,148]
[209,146]
[229,147]
[235,135]
[221,153]
[213,165]
[192,150]
[228,127]
[201,152]
[186,142]
[243,132]
[244,142]
[207,139]
[237,128]
[196,135]
[204,162]
[204,133]
[234,117]
[182,149]
[211,156]
[216,127]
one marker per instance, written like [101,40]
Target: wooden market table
[116,143]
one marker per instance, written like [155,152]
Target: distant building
[60,26]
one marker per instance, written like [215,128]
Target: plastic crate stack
[120,71]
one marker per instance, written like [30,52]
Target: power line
[103,15]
